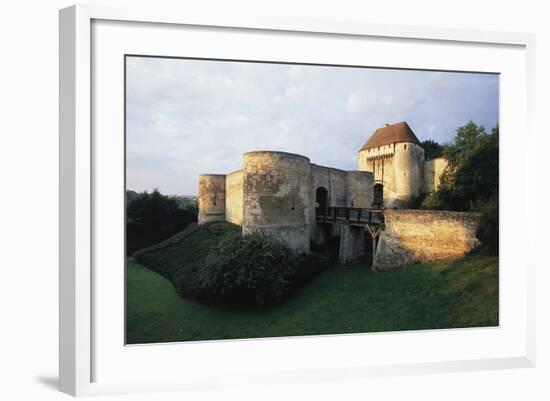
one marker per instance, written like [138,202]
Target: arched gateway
[321,201]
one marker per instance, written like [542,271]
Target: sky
[189,117]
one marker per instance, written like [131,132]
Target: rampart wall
[432,174]
[211,198]
[234,197]
[359,189]
[412,236]
[333,180]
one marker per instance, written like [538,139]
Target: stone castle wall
[211,198]
[367,156]
[387,177]
[424,235]
[403,171]
[234,197]
[380,162]
[276,196]
[432,174]
[359,189]
[344,188]
[333,180]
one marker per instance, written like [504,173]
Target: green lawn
[352,299]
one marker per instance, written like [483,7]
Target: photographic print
[270,199]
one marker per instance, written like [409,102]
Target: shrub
[487,231]
[252,269]
[213,264]
[432,149]
[434,201]
[471,176]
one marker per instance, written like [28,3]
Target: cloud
[187,117]
[163,124]
[388,99]
[355,103]
[291,92]
[285,125]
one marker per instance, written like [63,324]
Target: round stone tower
[276,196]
[211,198]
[408,172]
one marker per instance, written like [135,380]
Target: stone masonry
[412,236]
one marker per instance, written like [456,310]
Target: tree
[152,209]
[476,177]
[471,177]
[153,217]
[467,140]
[432,149]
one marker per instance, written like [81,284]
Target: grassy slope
[460,293]
[179,257]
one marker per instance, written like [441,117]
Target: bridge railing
[351,215]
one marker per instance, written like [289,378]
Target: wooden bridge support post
[374,231]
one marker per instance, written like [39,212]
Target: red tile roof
[388,134]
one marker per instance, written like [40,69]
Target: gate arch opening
[321,201]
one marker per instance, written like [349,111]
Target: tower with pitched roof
[395,156]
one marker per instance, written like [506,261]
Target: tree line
[152,217]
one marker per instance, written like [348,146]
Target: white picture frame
[82,346]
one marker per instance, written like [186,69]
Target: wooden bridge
[367,218]
[350,215]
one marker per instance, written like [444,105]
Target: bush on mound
[214,264]
[252,269]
